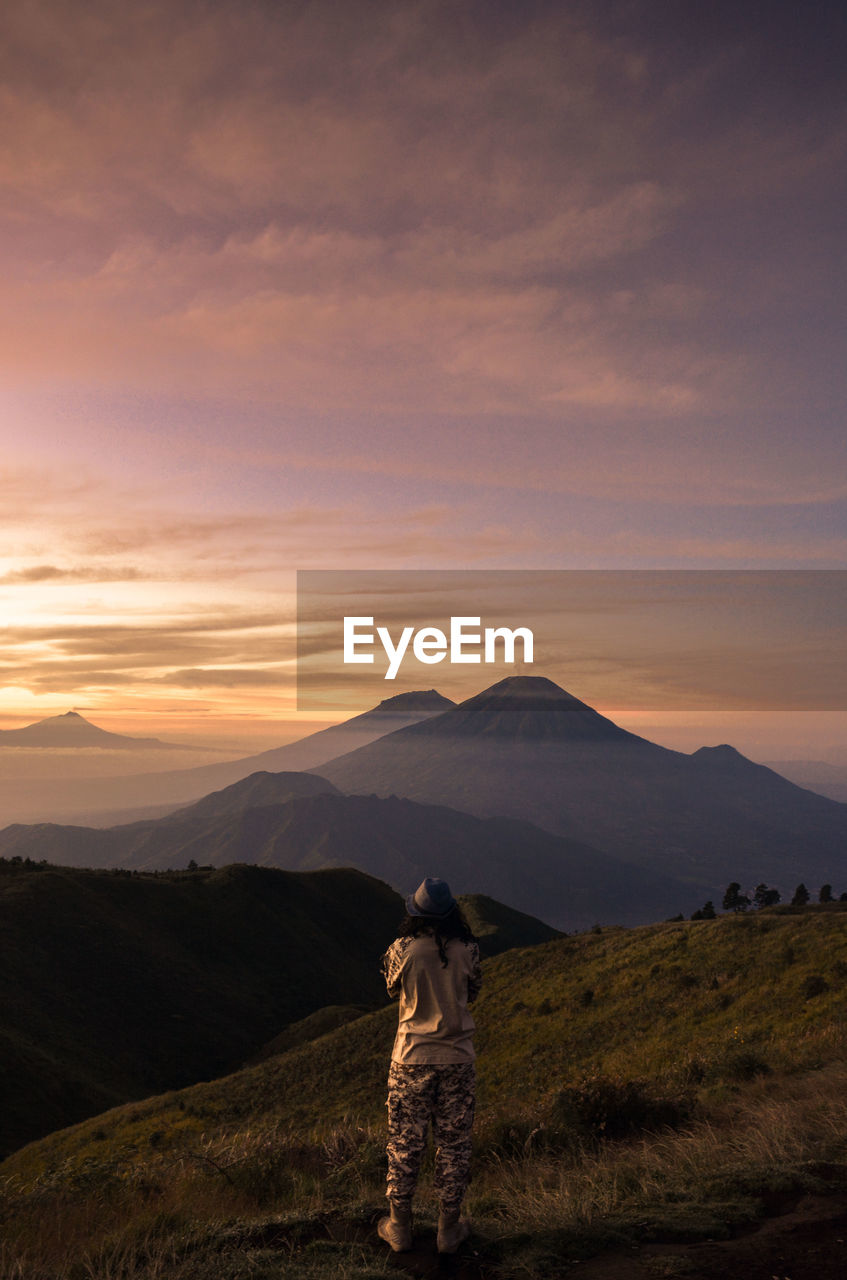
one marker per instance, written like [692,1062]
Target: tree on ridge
[734,899]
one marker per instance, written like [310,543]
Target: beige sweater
[435,1025]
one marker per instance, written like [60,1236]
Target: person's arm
[392,966]
[475,975]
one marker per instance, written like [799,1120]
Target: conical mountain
[526,709]
[72,730]
[527,749]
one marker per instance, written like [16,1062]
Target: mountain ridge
[301,822]
[527,749]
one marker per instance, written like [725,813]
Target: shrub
[743,1064]
[815,985]
[513,1137]
[611,1107]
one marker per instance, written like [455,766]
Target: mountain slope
[666,1002]
[300,823]
[675,1083]
[568,884]
[397,712]
[527,709]
[206,831]
[815,775]
[113,986]
[497,928]
[527,749]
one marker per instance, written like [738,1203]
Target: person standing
[433,968]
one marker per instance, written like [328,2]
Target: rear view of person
[433,967]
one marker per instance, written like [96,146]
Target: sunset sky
[389,284]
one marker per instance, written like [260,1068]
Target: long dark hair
[442,928]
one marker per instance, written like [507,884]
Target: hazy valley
[80,782]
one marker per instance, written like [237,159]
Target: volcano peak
[526,708]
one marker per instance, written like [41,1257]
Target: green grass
[116,985]
[704,1076]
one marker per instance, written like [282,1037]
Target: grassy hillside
[668,1079]
[499,928]
[116,986]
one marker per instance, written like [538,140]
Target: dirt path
[809,1242]
[806,1242]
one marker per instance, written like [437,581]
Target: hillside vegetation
[116,985]
[670,1079]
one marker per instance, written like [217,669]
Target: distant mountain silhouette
[108,799]
[259,790]
[73,730]
[816,775]
[199,832]
[398,712]
[300,822]
[527,749]
[610,827]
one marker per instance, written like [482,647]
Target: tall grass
[774,1137]
[265,1197]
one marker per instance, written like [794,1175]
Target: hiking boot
[396,1229]
[452,1230]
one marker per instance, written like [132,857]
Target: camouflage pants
[417,1094]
